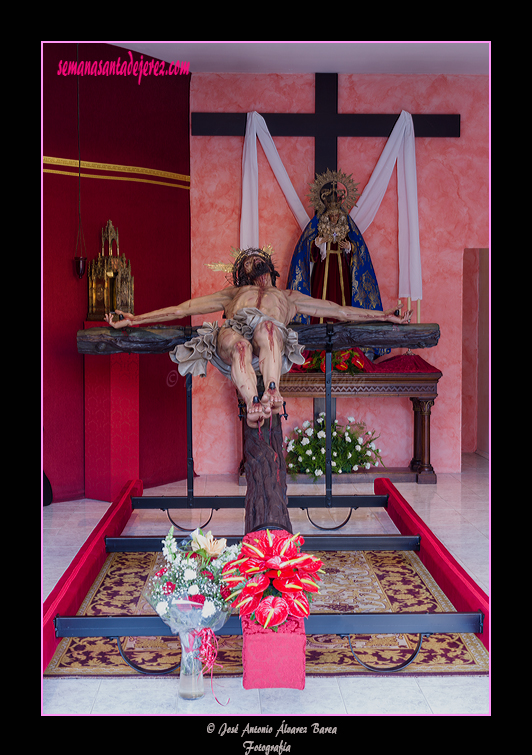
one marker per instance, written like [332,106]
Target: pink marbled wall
[470,350]
[453,212]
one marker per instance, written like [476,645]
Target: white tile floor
[457,510]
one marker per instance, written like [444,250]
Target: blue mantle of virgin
[365,292]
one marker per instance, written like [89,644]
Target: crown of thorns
[239,256]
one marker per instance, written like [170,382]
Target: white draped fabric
[399,148]
[249,219]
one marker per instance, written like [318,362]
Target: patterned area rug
[356,581]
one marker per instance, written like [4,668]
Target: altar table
[421,389]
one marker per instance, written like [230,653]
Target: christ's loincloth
[193,356]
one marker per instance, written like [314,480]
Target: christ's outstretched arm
[202,305]
[306,305]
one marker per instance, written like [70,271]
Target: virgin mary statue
[331,260]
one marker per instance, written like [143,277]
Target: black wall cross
[326,124]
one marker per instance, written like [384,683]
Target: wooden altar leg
[416,458]
[421,460]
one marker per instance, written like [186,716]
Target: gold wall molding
[132,173]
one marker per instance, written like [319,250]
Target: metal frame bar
[384,670]
[161,672]
[150,544]
[190,456]
[239,501]
[342,624]
[328,415]
[189,529]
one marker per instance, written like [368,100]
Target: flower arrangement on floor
[271,579]
[348,361]
[189,595]
[192,576]
[353,448]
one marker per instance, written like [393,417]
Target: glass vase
[191,676]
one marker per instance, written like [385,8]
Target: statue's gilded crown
[333,191]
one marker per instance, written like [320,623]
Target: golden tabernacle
[111,284]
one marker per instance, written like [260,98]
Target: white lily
[207,543]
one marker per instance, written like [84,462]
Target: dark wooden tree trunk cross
[264,464]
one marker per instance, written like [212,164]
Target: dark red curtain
[122,123]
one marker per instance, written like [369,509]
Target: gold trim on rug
[134,172]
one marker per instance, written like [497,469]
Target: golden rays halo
[333,188]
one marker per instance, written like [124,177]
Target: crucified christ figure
[256,313]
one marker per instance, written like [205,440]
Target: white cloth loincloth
[193,356]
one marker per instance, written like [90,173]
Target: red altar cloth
[400,363]
[112,424]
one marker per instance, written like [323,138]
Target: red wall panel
[123,123]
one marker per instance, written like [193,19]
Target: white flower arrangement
[353,448]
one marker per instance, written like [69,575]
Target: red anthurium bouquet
[271,579]
[349,361]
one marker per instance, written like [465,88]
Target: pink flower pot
[274,659]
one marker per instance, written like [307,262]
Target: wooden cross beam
[160,339]
[326,124]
